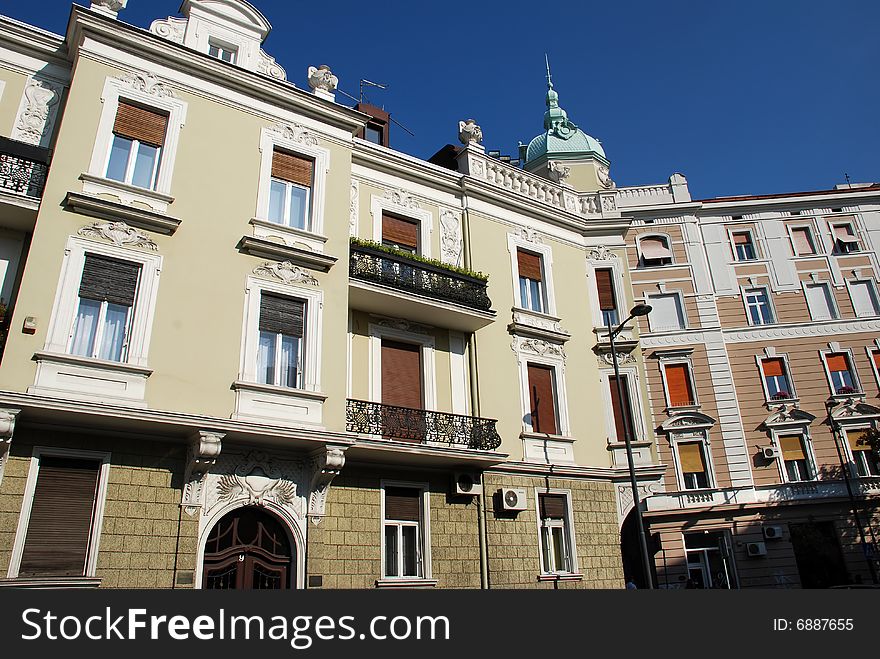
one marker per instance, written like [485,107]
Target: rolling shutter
[741,239]
[654,248]
[605,287]
[109,279]
[401,374]
[856,440]
[678,384]
[61,518]
[615,404]
[772,367]
[876,355]
[399,231]
[837,362]
[691,457]
[792,447]
[136,123]
[552,506]
[802,243]
[529,265]
[403,504]
[281,315]
[288,167]
[543,406]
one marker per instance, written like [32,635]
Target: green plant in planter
[393,251]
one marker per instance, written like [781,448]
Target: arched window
[654,251]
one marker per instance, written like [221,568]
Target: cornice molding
[835,328]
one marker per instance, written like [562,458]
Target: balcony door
[402,390]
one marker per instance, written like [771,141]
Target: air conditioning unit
[772,532]
[513,498]
[770,452]
[467,483]
[756,549]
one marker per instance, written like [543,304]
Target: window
[619,412]
[556,555]
[864,458]
[667,312]
[279,354]
[795,462]
[655,251]
[375,134]
[743,246]
[531,284]
[777,385]
[875,360]
[803,241]
[400,233]
[542,399]
[820,301]
[107,293]
[845,241]
[679,388]
[840,373]
[692,460]
[758,306]
[222,52]
[709,560]
[864,298]
[290,190]
[607,298]
[403,532]
[138,136]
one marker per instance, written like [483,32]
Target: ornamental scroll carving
[204,449]
[353,207]
[147,83]
[326,466]
[286,272]
[118,233]
[171,29]
[557,171]
[538,347]
[7,429]
[601,253]
[296,133]
[36,116]
[450,238]
[402,198]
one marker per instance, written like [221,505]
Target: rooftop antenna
[370,83]
[848,182]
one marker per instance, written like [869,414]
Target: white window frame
[767,292]
[515,242]
[423,218]
[64,309]
[857,386]
[114,88]
[872,290]
[870,350]
[681,306]
[617,281]
[732,578]
[759,362]
[751,233]
[806,443]
[853,462]
[424,530]
[641,259]
[313,235]
[426,342]
[813,237]
[638,429]
[558,367]
[223,47]
[568,528]
[663,362]
[835,312]
[39,452]
[312,341]
[696,436]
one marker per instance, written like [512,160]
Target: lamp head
[641,310]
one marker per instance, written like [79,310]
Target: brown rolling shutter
[60,524]
[529,264]
[289,167]
[772,367]
[876,355]
[678,383]
[552,506]
[837,362]
[741,239]
[605,286]
[541,396]
[615,403]
[139,124]
[857,440]
[792,447]
[403,504]
[281,315]
[399,231]
[401,374]
[802,243]
[691,457]
[109,279]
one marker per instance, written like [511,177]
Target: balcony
[23,171]
[398,284]
[424,427]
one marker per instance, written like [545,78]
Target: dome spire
[555,119]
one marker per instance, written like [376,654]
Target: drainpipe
[474,390]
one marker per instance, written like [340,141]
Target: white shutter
[819,302]
[864,298]
[666,312]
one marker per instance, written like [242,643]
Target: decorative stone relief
[353,208]
[538,347]
[109,7]
[469,133]
[402,325]
[296,133]
[557,171]
[601,253]
[478,167]
[402,198]
[326,466]
[7,428]
[538,322]
[286,272]
[118,233]
[450,237]
[171,28]
[36,115]
[203,452]
[257,486]
[604,179]
[623,358]
[608,203]
[322,81]
[590,205]
[148,84]
[625,497]
[269,67]
[530,235]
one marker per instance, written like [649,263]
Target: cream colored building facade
[293,357]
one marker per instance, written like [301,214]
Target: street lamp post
[638,310]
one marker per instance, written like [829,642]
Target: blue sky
[742,97]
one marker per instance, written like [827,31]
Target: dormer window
[222,51]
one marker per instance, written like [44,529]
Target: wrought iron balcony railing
[23,168]
[403,273]
[421,426]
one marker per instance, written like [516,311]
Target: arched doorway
[248,548]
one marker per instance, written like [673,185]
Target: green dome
[562,139]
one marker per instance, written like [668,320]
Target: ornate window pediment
[855,410]
[687,422]
[788,416]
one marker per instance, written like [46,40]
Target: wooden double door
[248,549]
